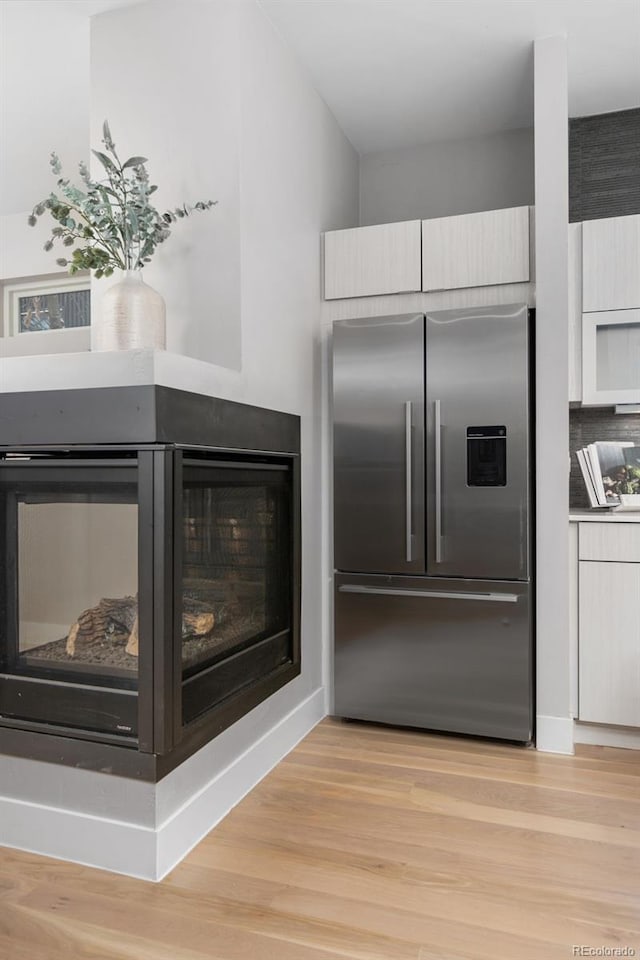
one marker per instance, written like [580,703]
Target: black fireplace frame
[156,428]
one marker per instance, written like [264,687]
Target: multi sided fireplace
[150,586]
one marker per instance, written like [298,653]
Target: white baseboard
[92,841]
[140,851]
[602,735]
[188,825]
[554,734]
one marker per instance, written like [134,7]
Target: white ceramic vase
[132,316]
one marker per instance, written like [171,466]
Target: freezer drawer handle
[438,478]
[436,594]
[408,480]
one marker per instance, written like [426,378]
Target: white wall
[44,106]
[554,725]
[222,108]
[44,96]
[299,177]
[235,118]
[21,248]
[447,178]
[172,94]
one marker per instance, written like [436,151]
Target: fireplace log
[193,625]
[113,616]
[110,616]
[71,639]
[132,642]
[197,624]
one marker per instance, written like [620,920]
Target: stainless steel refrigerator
[433,521]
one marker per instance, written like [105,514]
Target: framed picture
[45,315]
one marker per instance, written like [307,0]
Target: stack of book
[611,474]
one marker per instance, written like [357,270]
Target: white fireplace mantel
[69,371]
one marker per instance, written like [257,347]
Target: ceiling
[394,72]
[400,72]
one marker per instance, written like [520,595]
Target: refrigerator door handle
[408,464]
[438,476]
[437,594]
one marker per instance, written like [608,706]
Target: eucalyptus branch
[114,223]
[90,231]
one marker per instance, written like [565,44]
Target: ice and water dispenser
[487,456]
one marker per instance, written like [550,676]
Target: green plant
[111,222]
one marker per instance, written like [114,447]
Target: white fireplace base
[132,827]
[145,830]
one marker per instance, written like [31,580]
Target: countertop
[604,516]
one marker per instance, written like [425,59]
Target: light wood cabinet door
[476,249]
[369,261]
[610,541]
[611,264]
[609,643]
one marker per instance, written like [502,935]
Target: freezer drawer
[442,654]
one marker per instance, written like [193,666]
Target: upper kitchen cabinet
[476,250]
[374,260]
[472,250]
[606,347]
[611,264]
[611,357]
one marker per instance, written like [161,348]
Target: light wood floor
[374,844]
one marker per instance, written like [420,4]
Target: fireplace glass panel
[236,579]
[77,585]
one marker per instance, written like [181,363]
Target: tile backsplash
[604,165]
[588,424]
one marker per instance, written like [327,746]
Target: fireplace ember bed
[150,593]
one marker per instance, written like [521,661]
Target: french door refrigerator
[433,521]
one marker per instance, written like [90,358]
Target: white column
[554,723]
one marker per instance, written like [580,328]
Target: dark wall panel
[604,165]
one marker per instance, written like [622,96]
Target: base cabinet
[609,636]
